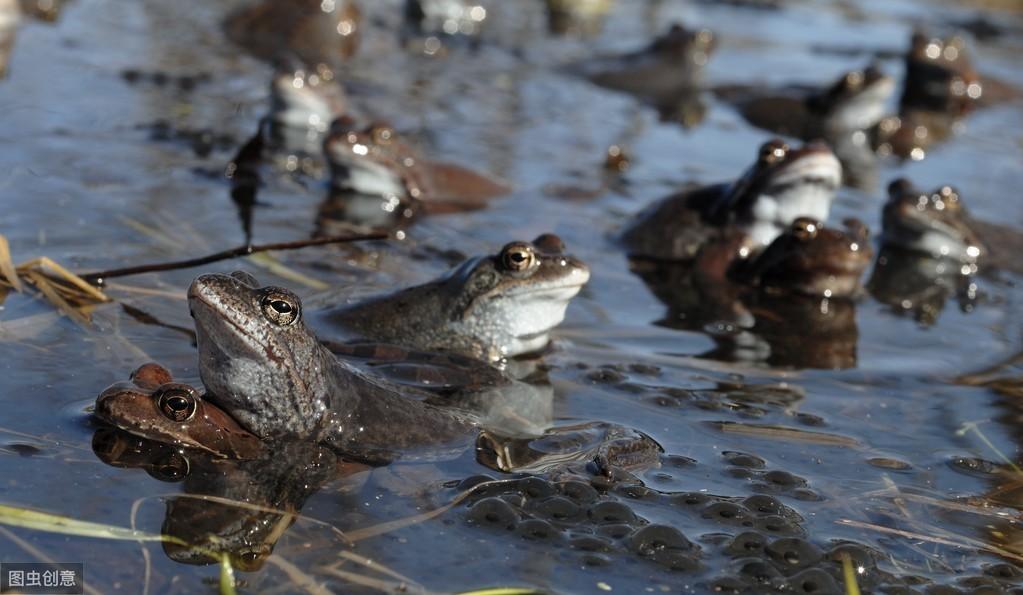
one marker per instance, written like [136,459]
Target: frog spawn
[758,542]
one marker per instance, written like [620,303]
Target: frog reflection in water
[375,162]
[238,507]
[789,305]
[667,73]
[489,307]
[932,248]
[782,185]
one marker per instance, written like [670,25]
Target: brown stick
[99,277]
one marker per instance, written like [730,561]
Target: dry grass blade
[373,565]
[785,433]
[271,264]
[7,269]
[378,584]
[301,579]
[43,284]
[504,591]
[962,542]
[387,527]
[52,267]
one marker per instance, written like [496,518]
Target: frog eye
[517,256]
[176,401]
[853,80]
[805,228]
[382,134]
[772,151]
[949,196]
[281,308]
[172,468]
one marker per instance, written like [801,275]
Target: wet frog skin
[783,184]
[937,224]
[933,223]
[153,406]
[375,161]
[261,364]
[489,307]
[813,260]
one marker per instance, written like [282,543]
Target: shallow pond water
[768,472]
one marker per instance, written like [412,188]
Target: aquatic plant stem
[100,277]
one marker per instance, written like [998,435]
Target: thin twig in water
[99,277]
[965,543]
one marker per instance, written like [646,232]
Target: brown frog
[153,406]
[666,74]
[789,305]
[376,161]
[941,86]
[812,260]
[784,183]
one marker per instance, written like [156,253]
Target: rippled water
[84,182]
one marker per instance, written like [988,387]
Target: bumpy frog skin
[813,260]
[782,185]
[934,223]
[155,407]
[262,365]
[670,65]
[375,161]
[489,307]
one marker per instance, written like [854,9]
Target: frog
[802,287]
[933,223]
[313,32]
[940,88]
[260,363]
[153,406]
[669,66]
[666,74]
[489,307]
[784,183]
[375,161]
[265,368]
[855,102]
[811,259]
